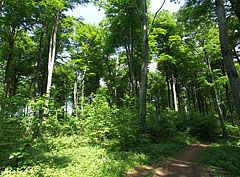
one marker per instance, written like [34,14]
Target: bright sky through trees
[92,14]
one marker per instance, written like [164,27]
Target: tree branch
[155,17]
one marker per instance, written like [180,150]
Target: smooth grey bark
[51,56]
[75,97]
[227,56]
[75,100]
[175,103]
[168,86]
[143,92]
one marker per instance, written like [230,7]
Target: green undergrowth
[74,156]
[224,154]
[102,140]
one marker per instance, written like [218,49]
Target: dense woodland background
[52,70]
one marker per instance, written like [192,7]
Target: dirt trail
[183,166]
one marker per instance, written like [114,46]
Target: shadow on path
[183,166]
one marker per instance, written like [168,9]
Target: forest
[81,100]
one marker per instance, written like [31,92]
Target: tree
[52,53]
[86,55]
[168,51]
[17,17]
[123,24]
[143,92]
[227,56]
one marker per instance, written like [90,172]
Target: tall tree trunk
[9,61]
[168,86]
[227,57]
[51,56]
[174,92]
[111,78]
[15,81]
[217,96]
[75,97]
[83,87]
[143,93]
[227,94]
[40,53]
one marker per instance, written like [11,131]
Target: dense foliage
[73,94]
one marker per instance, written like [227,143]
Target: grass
[225,154]
[73,156]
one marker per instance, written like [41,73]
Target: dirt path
[183,166]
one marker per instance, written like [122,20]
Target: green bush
[204,126]
[171,123]
[163,126]
[108,126]
[232,130]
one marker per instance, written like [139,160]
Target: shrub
[108,126]
[163,126]
[171,123]
[233,130]
[204,126]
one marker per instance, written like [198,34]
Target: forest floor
[184,165]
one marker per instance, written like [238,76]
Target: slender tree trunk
[111,78]
[168,86]
[40,53]
[9,61]
[83,87]
[129,53]
[83,81]
[227,93]
[174,92]
[217,96]
[143,93]
[75,97]
[15,80]
[227,57]
[51,57]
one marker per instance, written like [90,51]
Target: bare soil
[184,165]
